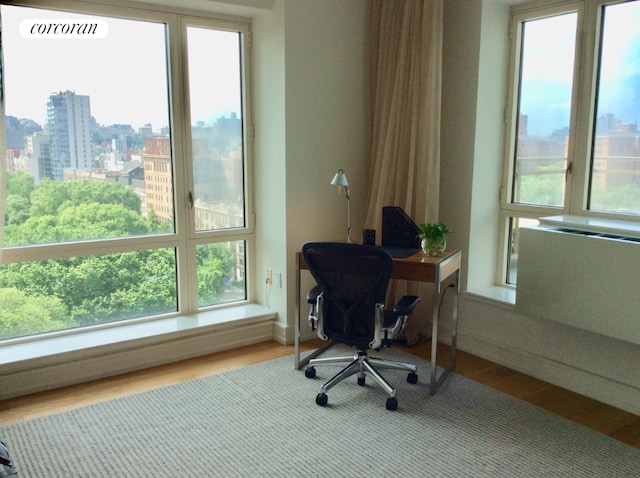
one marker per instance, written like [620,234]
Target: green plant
[433,238]
[432,231]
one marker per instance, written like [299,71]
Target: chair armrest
[406,305]
[312,295]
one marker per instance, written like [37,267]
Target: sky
[549,62]
[547,73]
[124,73]
[620,81]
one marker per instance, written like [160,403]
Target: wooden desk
[418,267]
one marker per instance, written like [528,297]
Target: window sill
[501,295]
[141,333]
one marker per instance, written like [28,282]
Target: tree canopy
[41,296]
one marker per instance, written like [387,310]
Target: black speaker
[369,237]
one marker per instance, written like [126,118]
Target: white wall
[474,72]
[310,72]
[270,150]
[461,36]
[326,124]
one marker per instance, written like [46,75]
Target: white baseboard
[284,334]
[281,333]
[586,383]
[26,379]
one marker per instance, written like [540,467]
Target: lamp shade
[340,179]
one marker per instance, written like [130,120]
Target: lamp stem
[348,215]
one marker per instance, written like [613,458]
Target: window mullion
[181,149]
[581,140]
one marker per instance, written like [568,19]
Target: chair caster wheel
[392,403]
[322,399]
[412,378]
[310,372]
[361,381]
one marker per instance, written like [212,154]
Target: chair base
[362,364]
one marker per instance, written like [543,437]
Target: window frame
[581,137]
[185,239]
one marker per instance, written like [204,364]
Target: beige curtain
[406,58]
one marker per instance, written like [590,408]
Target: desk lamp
[340,180]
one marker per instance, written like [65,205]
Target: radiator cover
[582,274]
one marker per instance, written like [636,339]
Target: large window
[573,145]
[126,166]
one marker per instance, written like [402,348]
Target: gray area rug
[262,420]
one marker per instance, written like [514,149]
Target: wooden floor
[613,422]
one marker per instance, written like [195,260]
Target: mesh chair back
[353,279]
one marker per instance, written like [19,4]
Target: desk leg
[454,319]
[436,381]
[433,383]
[296,339]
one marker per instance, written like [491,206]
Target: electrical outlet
[269,276]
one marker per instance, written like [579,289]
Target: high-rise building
[68,126]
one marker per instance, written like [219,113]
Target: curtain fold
[406,72]
[406,58]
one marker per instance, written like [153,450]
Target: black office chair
[348,307]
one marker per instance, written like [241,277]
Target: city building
[68,126]
[145,130]
[17,129]
[158,177]
[38,156]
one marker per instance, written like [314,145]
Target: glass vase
[434,246]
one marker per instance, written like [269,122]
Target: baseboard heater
[582,272]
